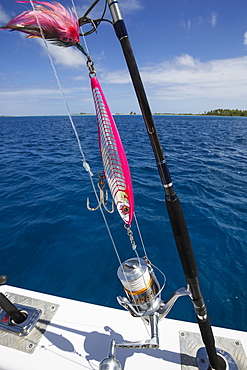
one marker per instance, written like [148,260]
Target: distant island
[215,112]
[226,112]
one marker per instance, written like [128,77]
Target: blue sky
[192,55]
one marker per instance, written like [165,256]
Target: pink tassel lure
[59,25]
[114,159]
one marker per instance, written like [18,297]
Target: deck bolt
[237,343]
[182,334]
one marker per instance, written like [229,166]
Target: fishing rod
[52,22]
[177,220]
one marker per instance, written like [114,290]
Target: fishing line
[140,236]
[83,35]
[143,280]
[84,162]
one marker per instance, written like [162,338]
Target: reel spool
[141,287]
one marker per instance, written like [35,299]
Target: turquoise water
[50,242]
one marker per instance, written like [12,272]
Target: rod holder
[16,318]
[9,307]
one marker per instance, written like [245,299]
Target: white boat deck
[79,335]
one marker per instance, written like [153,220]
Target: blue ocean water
[50,242]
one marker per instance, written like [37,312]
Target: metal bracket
[153,342]
[193,352]
[166,306]
[159,309]
[26,336]
[148,343]
[203,363]
[32,316]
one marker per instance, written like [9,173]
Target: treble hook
[103,197]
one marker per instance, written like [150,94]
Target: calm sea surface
[50,242]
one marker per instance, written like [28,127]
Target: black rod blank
[174,208]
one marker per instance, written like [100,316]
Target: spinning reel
[143,299]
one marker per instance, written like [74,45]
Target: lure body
[114,159]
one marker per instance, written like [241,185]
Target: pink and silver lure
[114,159]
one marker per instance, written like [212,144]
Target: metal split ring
[90,65]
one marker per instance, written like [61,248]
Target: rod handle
[215,361]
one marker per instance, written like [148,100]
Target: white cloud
[199,21]
[95,13]
[183,84]
[34,92]
[186,77]
[131,5]
[4,18]
[245,38]
[116,77]
[29,92]
[65,56]
[213,19]
[38,101]
[184,23]
[69,57]
[126,6]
